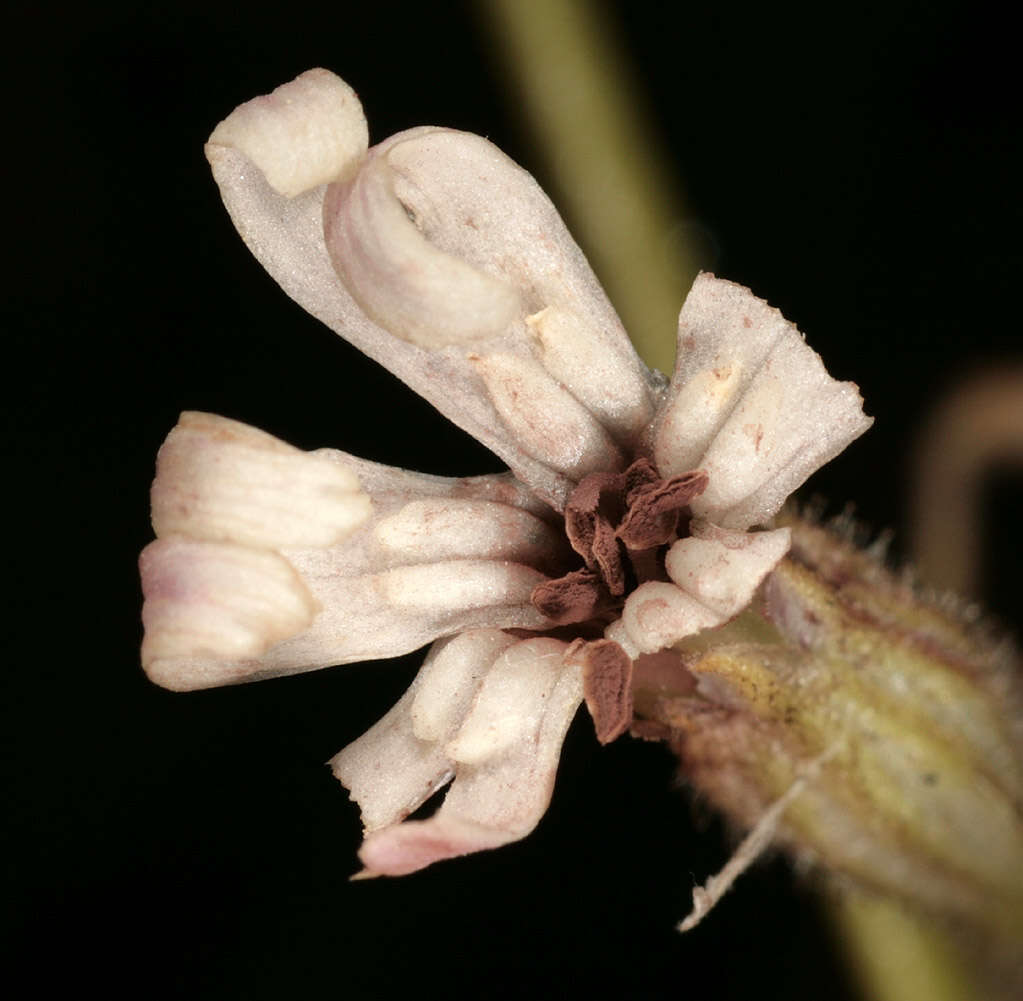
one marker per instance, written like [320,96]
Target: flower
[625,523]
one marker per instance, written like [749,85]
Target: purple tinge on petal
[212,606]
[750,404]
[506,754]
[409,847]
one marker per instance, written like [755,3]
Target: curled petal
[209,606]
[445,222]
[401,280]
[307,132]
[400,762]
[750,404]
[502,795]
[454,213]
[221,480]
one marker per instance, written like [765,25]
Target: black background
[858,166]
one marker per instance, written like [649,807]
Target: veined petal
[510,703]
[750,404]
[438,556]
[502,796]
[221,480]
[547,421]
[209,606]
[475,223]
[401,761]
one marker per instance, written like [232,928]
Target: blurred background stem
[620,197]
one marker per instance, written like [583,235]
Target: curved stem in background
[974,429]
[621,198]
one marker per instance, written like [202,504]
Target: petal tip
[305,133]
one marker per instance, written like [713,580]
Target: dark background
[858,167]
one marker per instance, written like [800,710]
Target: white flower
[622,526]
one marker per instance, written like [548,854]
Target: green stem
[621,199]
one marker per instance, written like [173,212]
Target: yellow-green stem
[623,203]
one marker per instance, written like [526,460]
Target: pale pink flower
[624,524]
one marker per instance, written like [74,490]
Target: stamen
[576,597]
[619,524]
[607,685]
[652,516]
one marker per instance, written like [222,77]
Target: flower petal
[222,480]
[500,796]
[656,615]
[721,569]
[209,606]
[481,236]
[715,573]
[438,556]
[303,134]
[401,761]
[750,404]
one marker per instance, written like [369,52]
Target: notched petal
[500,797]
[395,766]
[438,241]
[750,404]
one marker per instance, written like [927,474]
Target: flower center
[621,524]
